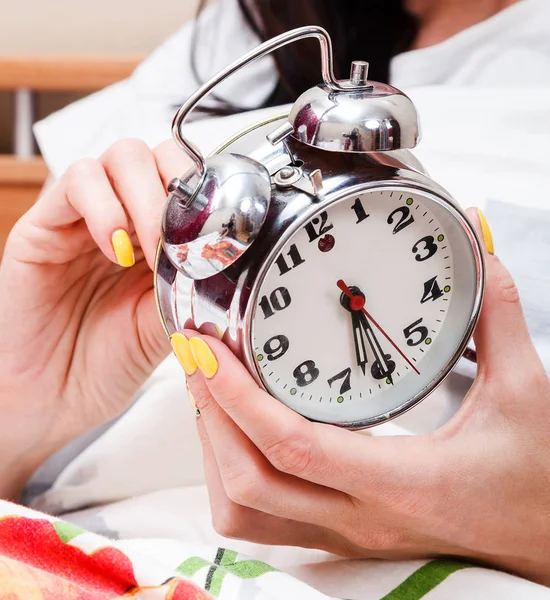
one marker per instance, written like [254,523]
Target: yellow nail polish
[124,251]
[206,361]
[182,350]
[486,230]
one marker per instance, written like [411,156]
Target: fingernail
[124,251]
[182,350]
[220,332]
[206,361]
[486,230]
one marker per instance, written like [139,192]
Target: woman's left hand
[477,488]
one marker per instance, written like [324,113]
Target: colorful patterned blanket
[45,558]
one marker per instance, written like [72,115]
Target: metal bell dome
[360,116]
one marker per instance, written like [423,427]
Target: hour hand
[383,366]
[359,341]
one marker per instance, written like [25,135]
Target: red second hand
[352,297]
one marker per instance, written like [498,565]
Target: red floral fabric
[36,564]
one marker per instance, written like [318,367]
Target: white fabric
[143,106]
[513,46]
[487,144]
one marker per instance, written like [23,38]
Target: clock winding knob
[359,76]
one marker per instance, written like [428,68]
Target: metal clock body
[345,279]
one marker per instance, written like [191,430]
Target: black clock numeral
[279,299]
[359,211]
[432,291]
[429,245]
[295,258]
[415,328]
[306,373]
[404,221]
[276,347]
[346,375]
[318,227]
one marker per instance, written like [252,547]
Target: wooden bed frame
[21,174]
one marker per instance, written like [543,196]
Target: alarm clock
[317,246]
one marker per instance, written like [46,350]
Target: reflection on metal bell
[211,219]
[361,116]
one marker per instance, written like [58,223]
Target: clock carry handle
[259,52]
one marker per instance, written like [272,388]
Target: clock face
[365,306]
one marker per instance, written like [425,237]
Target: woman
[79,324]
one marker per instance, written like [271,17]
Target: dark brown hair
[372,30]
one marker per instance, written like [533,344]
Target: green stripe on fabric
[190,566]
[216,580]
[66,531]
[224,563]
[250,569]
[228,557]
[425,579]
[212,572]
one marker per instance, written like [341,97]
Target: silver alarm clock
[315,243]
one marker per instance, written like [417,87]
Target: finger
[240,522]
[357,465]
[132,169]
[84,192]
[171,161]
[250,480]
[502,338]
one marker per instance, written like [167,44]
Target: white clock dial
[360,311]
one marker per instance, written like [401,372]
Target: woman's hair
[371,30]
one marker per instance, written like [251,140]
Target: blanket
[43,557]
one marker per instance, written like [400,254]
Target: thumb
[501,336]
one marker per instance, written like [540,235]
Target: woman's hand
[79,327]
[477,488]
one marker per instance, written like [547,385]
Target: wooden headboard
[21,175]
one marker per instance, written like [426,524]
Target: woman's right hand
[79,327]
[477,488]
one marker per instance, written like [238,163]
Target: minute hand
[383,361]
[359,334]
